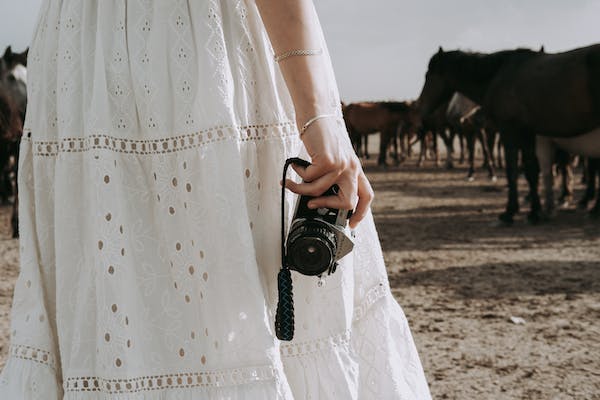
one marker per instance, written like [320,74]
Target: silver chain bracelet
[313,119]
[298,52]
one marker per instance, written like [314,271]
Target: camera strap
[284,317]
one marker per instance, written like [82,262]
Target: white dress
[149,222]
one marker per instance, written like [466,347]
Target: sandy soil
[460,279]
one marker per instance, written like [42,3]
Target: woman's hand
[333,161]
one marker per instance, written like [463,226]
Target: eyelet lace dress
[149,222]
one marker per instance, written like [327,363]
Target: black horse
[525,92]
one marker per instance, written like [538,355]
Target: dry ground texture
[460,279]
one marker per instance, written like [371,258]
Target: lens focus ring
[311,247]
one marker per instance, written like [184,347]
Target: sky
[380,48]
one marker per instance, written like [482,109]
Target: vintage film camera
[316,241]
[316,238]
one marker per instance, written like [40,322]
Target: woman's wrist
[306,112]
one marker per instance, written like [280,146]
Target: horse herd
[544,105]
[547,106]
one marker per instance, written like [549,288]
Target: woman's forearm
[290,25]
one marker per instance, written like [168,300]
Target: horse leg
[403,149]
[359,141]
[409,148]
[500,150]
[423,145]
[436,150]
[470,136]
[395,144]
[486,154]
[545,151]
[461,141]
[383,145]
[594,172]
[367,156]
[590,183]
[491,142]
[355,140]
[4,187]
[565,167]
[5,184]
[448,137]
[532,174]
[14,220]
[511,154]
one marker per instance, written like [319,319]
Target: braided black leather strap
[284,319]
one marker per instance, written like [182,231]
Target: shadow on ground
[502,280]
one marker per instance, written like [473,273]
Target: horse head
[11,60]
[438,87]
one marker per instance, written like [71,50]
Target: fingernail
[311,205]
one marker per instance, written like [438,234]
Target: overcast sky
[380,48]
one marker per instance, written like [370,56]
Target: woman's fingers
[346,198]
[365,197]
[314,188]
[312,172]
[355,192]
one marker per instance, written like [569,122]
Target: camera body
[317,239]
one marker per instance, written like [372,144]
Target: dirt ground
[460,279]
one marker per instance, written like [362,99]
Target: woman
[149,181]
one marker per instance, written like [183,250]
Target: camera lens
[311,247]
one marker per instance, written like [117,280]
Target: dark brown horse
[13,83]
[386,117]
[11,129]
[13,104]
[525,93]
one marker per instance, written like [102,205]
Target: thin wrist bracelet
[298,52]
[313,119]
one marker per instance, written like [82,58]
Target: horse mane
[475,64]
[395,106]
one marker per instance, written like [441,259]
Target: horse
[467,117]
[13,75]
[525,93]
[11,125]
[385,117]
[13,105]
[408,131]
[433,126]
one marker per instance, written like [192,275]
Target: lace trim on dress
[161,145]
[314,346]
[222,378]
[32,354]
[228,377]
[342,339]
[374,294]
